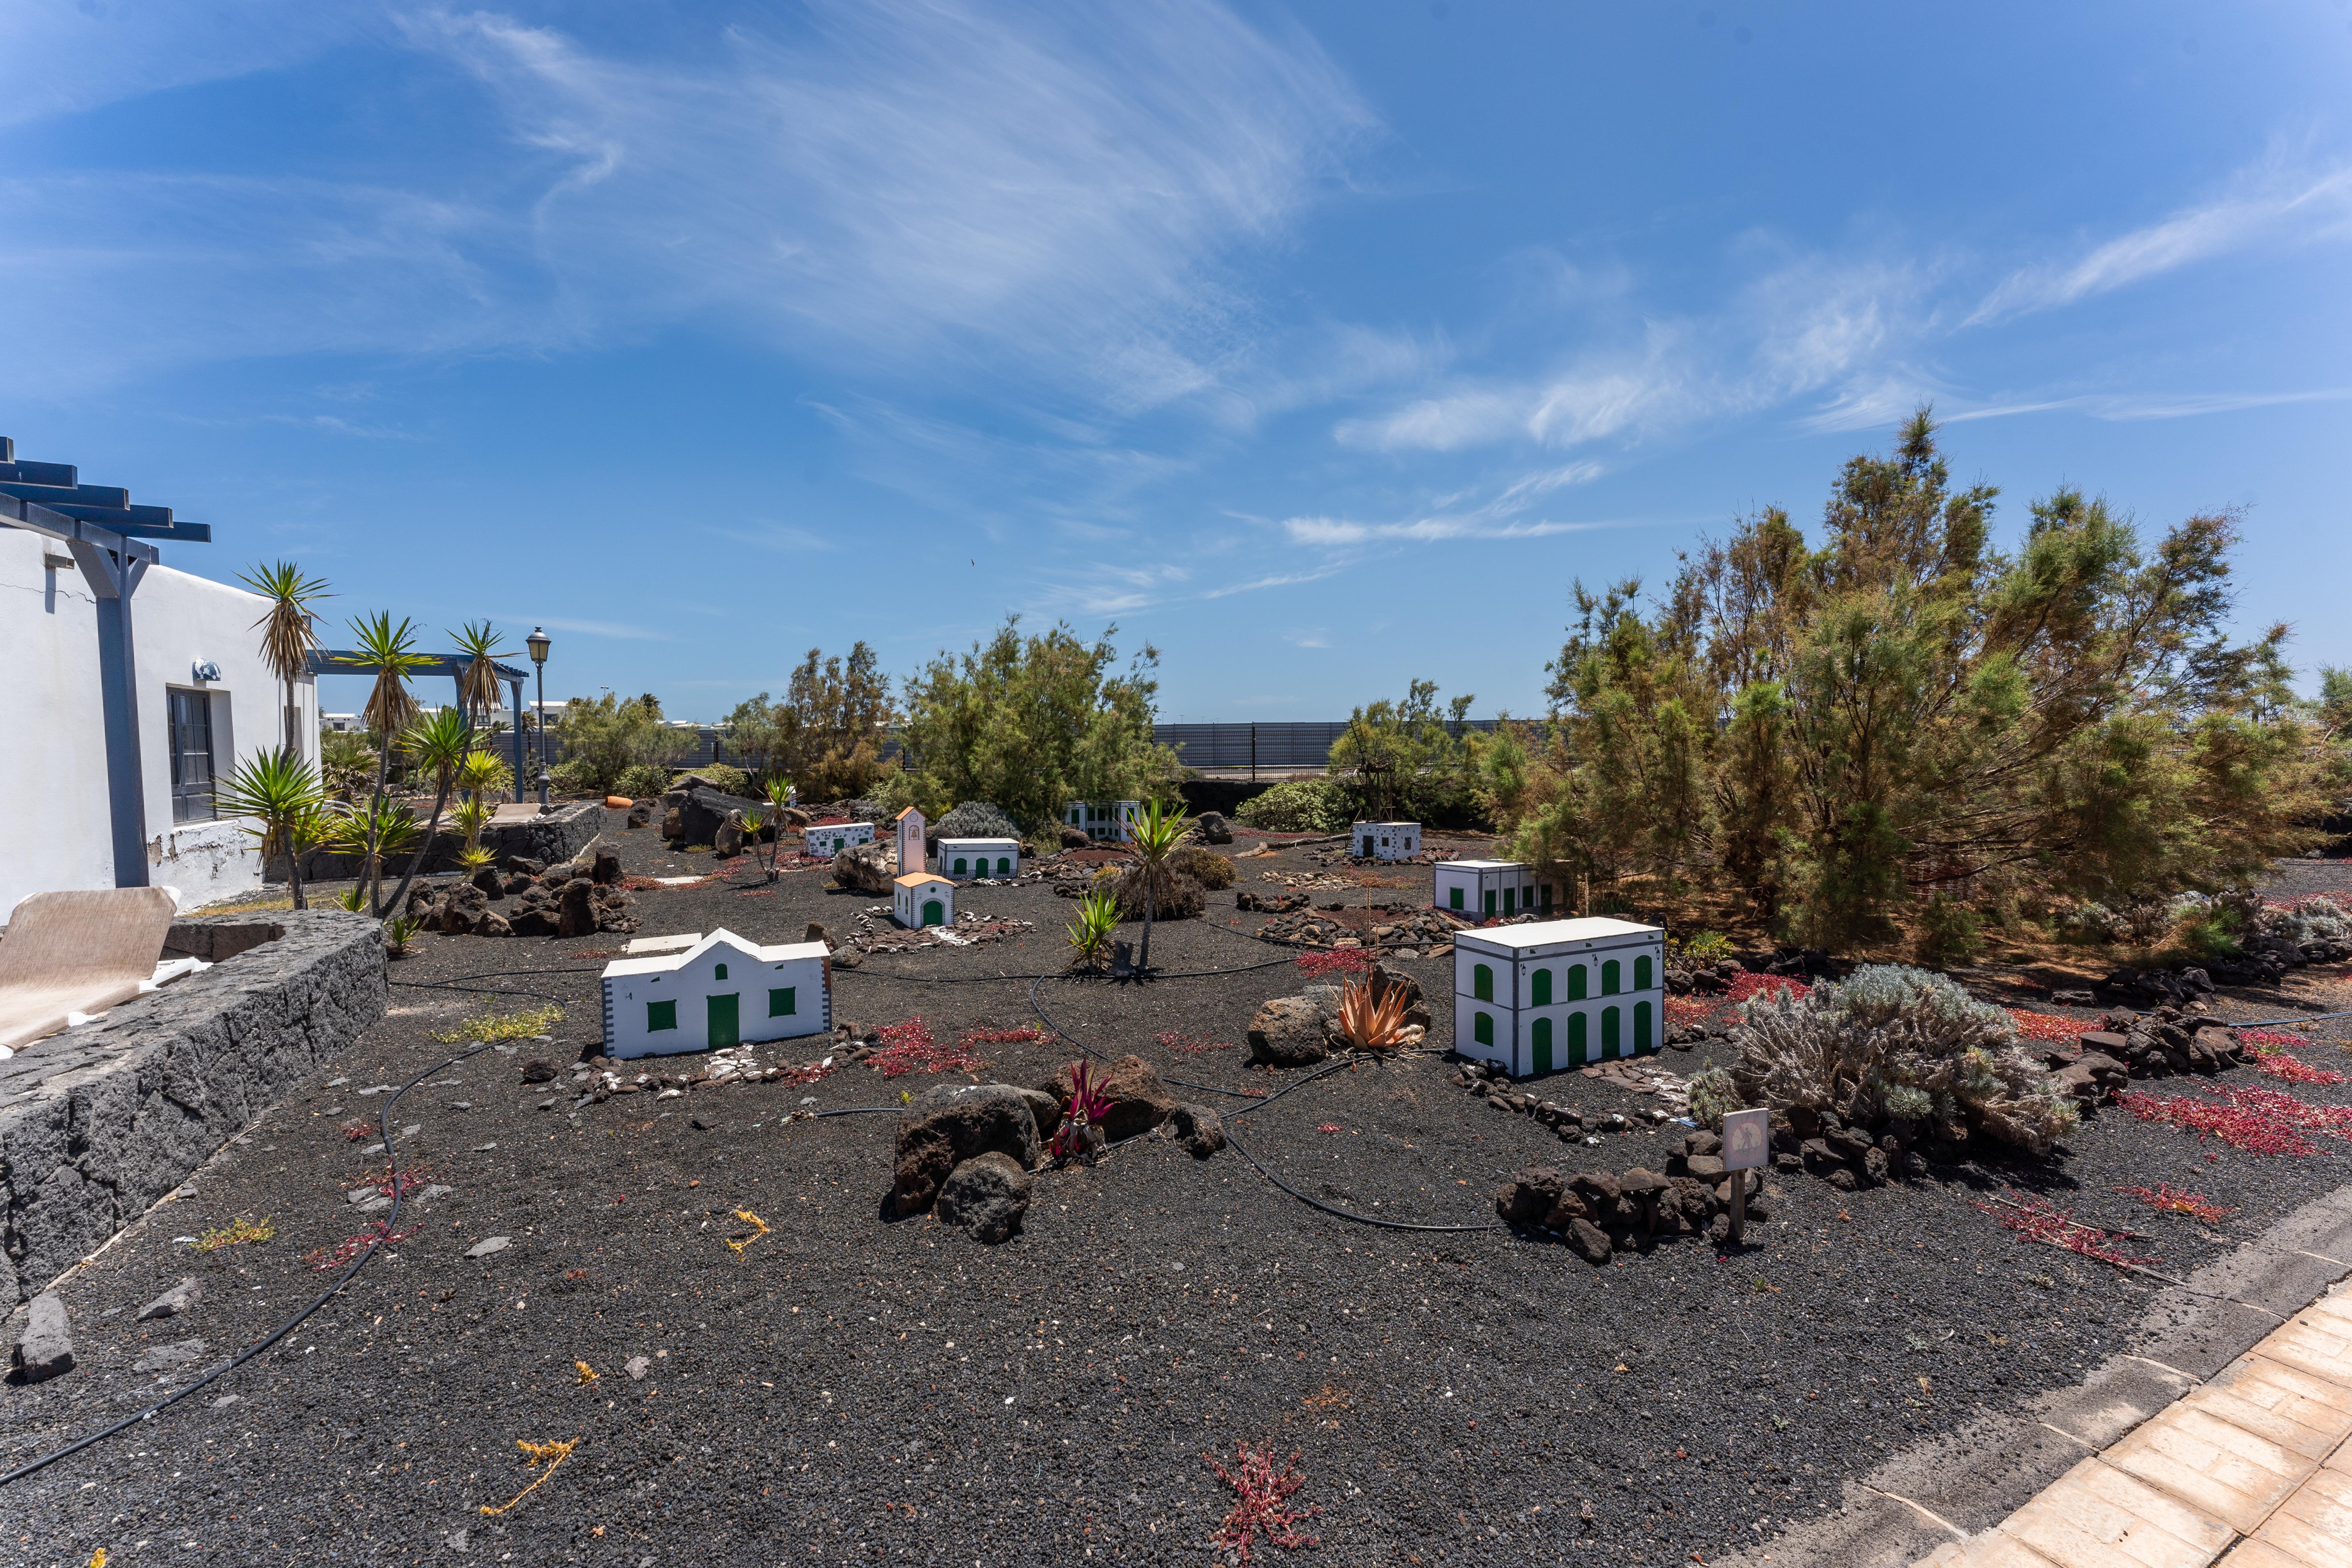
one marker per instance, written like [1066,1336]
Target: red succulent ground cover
[2037,1220]
[1747,986]
[1329,961]
[2279,1065]
[349,1248]
[910,1046]
[1262,1496]
[1683,1011]
[2049,1025]
[2172,1200]
[1176,1042]
[2259,1120]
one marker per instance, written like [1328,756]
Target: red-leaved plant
[1262,1496]
[1080,1135]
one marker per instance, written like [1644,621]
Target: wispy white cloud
[1333,530]
[2270,205]
[589,628]
[67,57]
[2127,407]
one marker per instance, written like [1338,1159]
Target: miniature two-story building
[922,898]
[1386,840]
[1485,889]
[692,993]
[911,831]
[962,858]
[1104,821]
[829,840]
[1538,998]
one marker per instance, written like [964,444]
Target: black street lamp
[539,644]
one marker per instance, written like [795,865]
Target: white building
[691,992]
[966,858]
[834,837]
[1483,889]
[912,828]
[130,687]
[1540,998]
[1111,821]
[1386,840]
[921,899]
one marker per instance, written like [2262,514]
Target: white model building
[1540,998]
[1386,840]
[1483,890]
[1111,821]
[966,858]
[921,899]
[912,828]
[691,992]
[834,837]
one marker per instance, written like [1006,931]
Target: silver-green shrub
[1896,1041]
[1712,1094]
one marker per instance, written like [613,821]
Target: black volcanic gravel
[856,1390]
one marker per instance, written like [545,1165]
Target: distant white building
[1486,890]
[969,857]
[1105,821]
[1539,998]
[834,837]
[691,992]
[1386,840]
[921,899]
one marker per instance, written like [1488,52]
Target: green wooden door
[1543,1045]
[726,1020]
[1612,1044]
[934,912]
[1577,1050]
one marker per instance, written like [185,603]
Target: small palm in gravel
[1097,923]
[1374,1024]
[1154,836]
[1080,1135]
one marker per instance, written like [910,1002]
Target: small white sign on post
[1746,1146]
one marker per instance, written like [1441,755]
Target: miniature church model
[1386,840]
[1539,998]
[1105,821]
[1485,889]
[964,857]
[923,898]
[912,827]
[691,992]
[831,838]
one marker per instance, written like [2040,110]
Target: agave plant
[281,793]
[1370,1023]
[1097,923]
[1080,1135]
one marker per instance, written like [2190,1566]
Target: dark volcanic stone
[1139,1101]
[1529,1195]
[1201,1129]
[987,1195]
[1287,1032]
[45,1348]
[954,1123]
[1590,1242]
[1820,1158]
[576,910]
[539,1069]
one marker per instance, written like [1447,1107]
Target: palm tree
[438,741]
[281,790]
[391,652]
[478,687]
[290,630]
[1152,837]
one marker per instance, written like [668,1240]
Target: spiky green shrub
[1712,1094]
[1949,932]
[1895,1041]
[1300,805]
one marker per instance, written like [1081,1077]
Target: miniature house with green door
[1541,999]
[670,994]
[963,859]
[923,898]
[1489,890]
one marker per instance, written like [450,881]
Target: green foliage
[1712,1094]
[828,731]
[729,780]
[604,739]
[1299,805]
[522,1024]
[346,764]
[1206,867]
[399,931]
[477,685]
[1035,723]
[1826,728]
[641,781]
[290,812]
[1096,925]
[1949,932]
[1408,761]
[1701,947]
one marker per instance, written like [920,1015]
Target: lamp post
[539,644]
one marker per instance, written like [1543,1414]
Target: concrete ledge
[99,1123]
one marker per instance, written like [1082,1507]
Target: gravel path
[851,1389]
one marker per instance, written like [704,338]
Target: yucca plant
[375,832]
[1373,1024]
[391,652]
[353,898]
[467,817]
[399,931]
[282,792]
[1154,835]
[438,741]
[473,857]
[289,632]
[1097,923]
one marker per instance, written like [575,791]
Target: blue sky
[1323,345]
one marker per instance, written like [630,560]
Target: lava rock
[491,884]
[951,1124]
[576,910]
[605,871]
[1213,827]
[1820,1158]
[1529,1195]
[1382,980]
[1201,1129]
[45,1350]
[1702,1143]
[163,1358]
[179,1298]
[1287,1032]
[1138,1101]
[988,1195]
[862,869]
[1875,1167]
[539,1069]
[1590,1242]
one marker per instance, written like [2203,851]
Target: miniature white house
[966,858]
[1386,840]
[1537,998]
[1108,820]
[921,899]
[674,993]
[834,837]
[1482,890]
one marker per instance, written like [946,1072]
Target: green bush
[729,780]
[1300,805]
[1949,932]
[1712,1094]
[1206,867]
[575,775]
[641,782]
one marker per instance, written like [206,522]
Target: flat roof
[917,879]
[992,840]
[663,963]
[1482,865]
[1364,824]
[1552,933]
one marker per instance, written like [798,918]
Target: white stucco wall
[55,831]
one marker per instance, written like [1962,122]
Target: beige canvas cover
[77,952]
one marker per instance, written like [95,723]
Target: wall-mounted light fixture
[205,670]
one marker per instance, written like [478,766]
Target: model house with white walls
[1542,998]
[1104,821]
[1386,840]
[910,828]
[831,838]
[1489,890]
[922,898]
[964,858]
[691,993]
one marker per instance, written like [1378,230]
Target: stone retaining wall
[557,837]
[97,1123]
